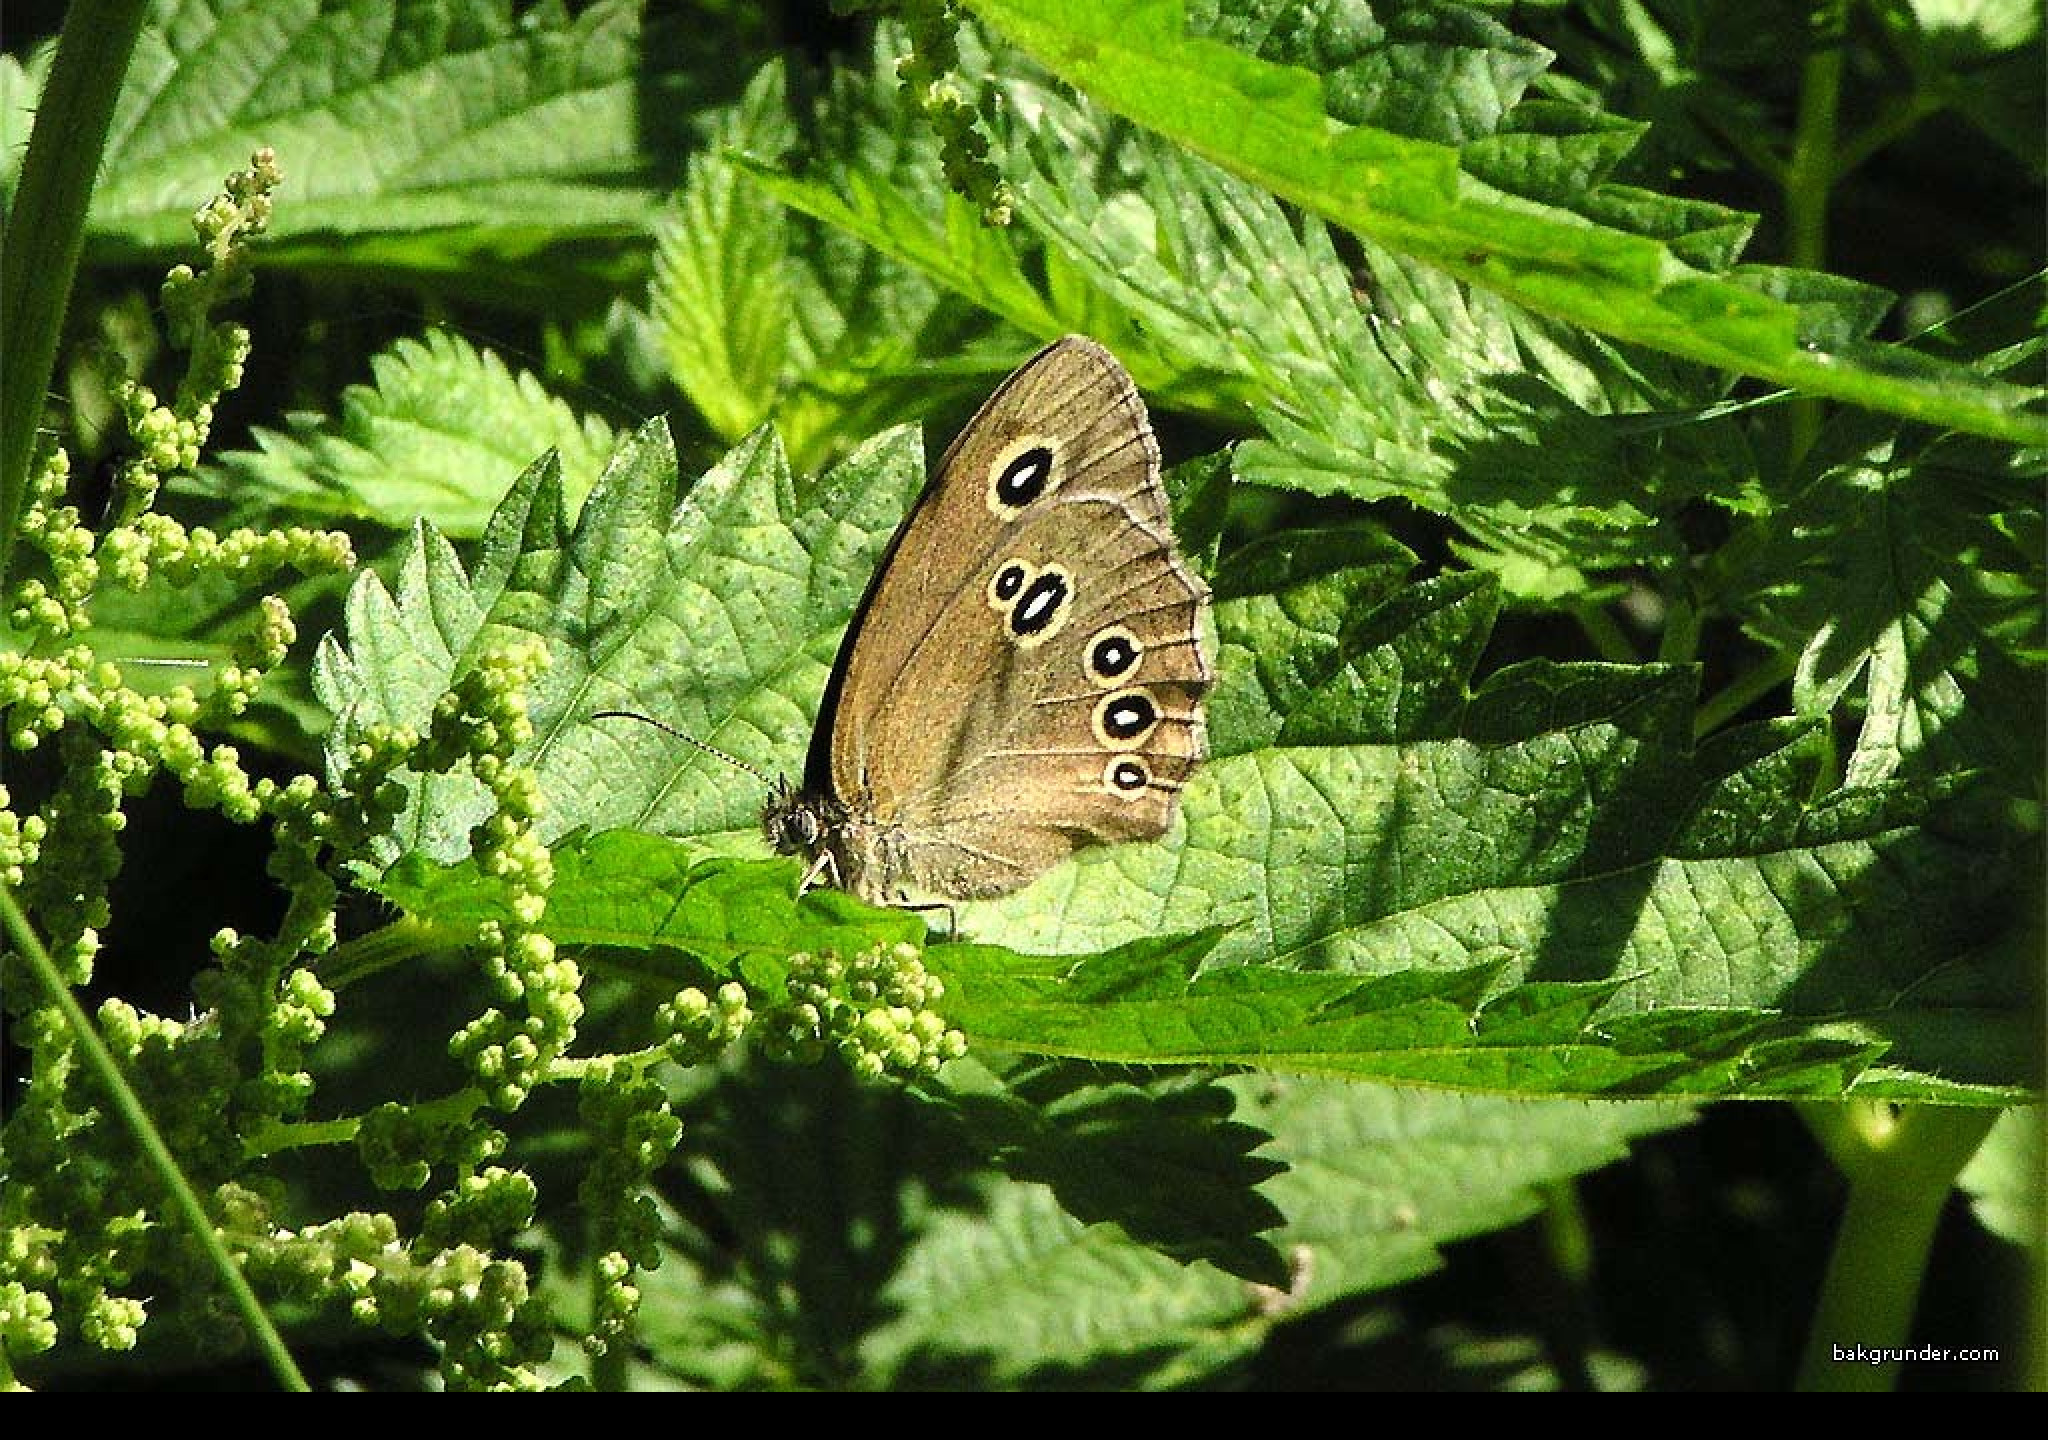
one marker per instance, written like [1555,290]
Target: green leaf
[1553,825]
[1067,1127]
[721,273]
[1407,1027]
[766,314]
[1529,434]
[1276,125]
[435,437]
[718,615]
[661,915]
[1904,570]
[1535,885]
[407,133]
[1014,1292]
[1373,380]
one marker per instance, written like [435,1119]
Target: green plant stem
[366,955]
[46,228]
[608,1371]
[1609,641]
[100,1061]
[1892,123]
[1811,171]
[1680,641]
[1742,692]
[1566,1233]
[1901,1165]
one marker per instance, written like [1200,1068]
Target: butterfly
[1025,673]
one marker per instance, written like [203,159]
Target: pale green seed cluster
[479,1307]
[69,1251]
[26,1326]
[927,74]
[873,1010]
[393,1141]
[46,1277]
[632,1133]
[617,1302]
[57,606]
[21,841]
[698,1027]
[157,545]
[482,721]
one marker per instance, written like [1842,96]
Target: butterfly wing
[1026,673]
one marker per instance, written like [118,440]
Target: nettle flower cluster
[85,1244]
[929,75]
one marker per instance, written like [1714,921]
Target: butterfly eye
[1112,654]
[1126,776]
[1124,719]
[1021,474]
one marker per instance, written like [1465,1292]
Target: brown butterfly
[1025,673]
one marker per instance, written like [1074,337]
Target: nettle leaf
[1534,885]
[1085,1134]
[767,314]
[1917,614]
[662,915]
[433,437]
[1549,844]
[1904,569]
[1278,126]
[956,1279]
[458,124]
[1371,378]
[718,615]
[1387,378]
[1013,1291]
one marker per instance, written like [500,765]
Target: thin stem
[1811,170]
[1565,1231]
[1901,1165]
[609,1372]
[1892,123]
[46,228]
[1680,641]
[100,1061]
[378,950]
[1742,692]
[1609,641]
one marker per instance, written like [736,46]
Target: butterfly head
[792,822]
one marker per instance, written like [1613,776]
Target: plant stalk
[1811,171]
[100,1061]
[1900,1166]
[46,228]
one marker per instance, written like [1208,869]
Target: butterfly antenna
[688,739]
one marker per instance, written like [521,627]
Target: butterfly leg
[822,865]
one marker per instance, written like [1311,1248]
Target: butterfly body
[1026,671]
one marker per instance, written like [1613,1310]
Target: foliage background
[575,237]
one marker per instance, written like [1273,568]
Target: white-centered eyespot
[1024,471]
[1125,719]
[1111,654]
[1126,777]
[1042,606]
[1008,582]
